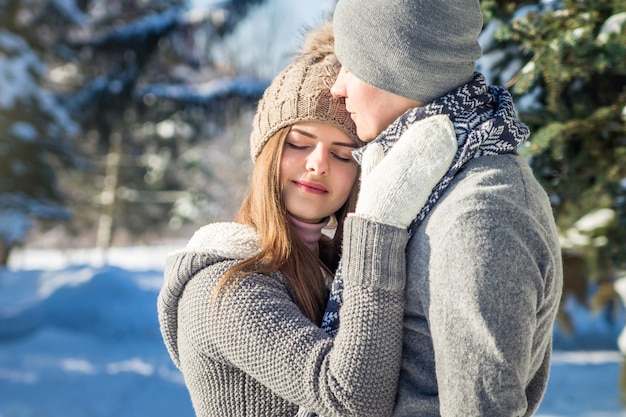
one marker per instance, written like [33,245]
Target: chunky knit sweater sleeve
[257,330]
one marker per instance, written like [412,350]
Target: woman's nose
[317,161]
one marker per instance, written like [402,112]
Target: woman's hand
[395,187]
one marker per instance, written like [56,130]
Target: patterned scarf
[485,123]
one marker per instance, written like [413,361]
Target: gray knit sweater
[483,287]
[253,353]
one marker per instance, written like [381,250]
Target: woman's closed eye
[297,146]
[339,151]
[342,157]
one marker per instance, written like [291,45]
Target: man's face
[371,108]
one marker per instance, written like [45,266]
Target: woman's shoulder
[217,247]
[227,240]
[211,251]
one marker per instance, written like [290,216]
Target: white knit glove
[394,188]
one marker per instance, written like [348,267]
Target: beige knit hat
[301,92]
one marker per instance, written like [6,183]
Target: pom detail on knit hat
[413,48]
[301,92]
[319,42]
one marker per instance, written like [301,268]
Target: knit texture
[414,48]
[484,271]
[395,190]
[251,351]
[301,93]
[483,289]
[485,123]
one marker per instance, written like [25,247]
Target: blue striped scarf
[485,123]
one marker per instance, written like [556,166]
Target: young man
[483,263]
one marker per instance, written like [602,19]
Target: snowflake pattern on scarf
[485,123]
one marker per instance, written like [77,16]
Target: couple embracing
[394,256]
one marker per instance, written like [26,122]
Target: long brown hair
[281,250]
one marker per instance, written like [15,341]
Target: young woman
[241,305]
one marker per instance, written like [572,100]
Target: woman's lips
[311,187]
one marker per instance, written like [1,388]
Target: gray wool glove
[395,187]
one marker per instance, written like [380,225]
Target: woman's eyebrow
[312,136]
[346,144]
[302,132]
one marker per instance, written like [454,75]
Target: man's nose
[338,88]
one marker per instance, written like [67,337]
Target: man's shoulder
[494,182]
[494,205]
[491,192]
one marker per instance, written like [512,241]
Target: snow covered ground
[79,337]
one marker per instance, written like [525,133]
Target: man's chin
[365,137]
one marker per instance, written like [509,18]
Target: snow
[202,94]
[142,28]
[19,68]
[17,64]
[70,10]
[79,336]
[14,226]
[79,340]
[24,131]
[264,42]
[17,211]
[612,26]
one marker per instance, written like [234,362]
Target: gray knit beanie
[301,92]
[419,49]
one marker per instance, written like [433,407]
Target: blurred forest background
[126,122]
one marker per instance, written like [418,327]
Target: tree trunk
[5,251]
[108,195]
